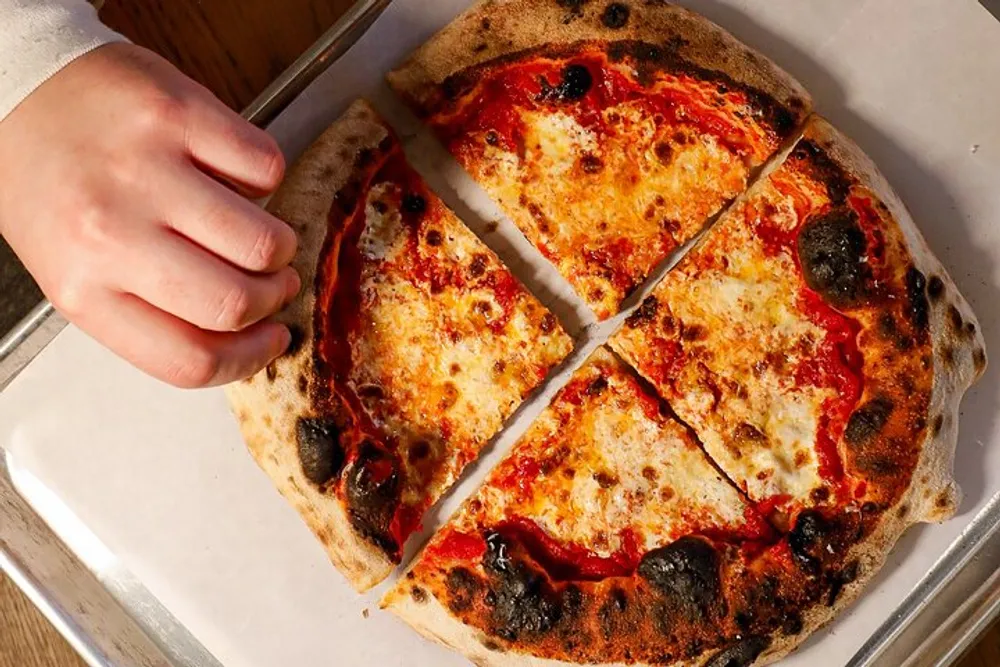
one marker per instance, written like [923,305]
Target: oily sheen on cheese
[604,165]
[432,341]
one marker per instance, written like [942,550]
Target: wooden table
[235,48]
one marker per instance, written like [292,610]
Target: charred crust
[576,83]
[418,594]
[916,292]
[903,510]
[791,623]
[320,452]
[477,267]
[832,250]
[957,323]
[838,580]
[616,15]
[686,574]
[271,372]
[463,588]
[935,288]
[645,313]
[597,386]
[521,602]
[741,654]
[434,238]
[937,425]
[838,183]
[296,337]
[574,9]
[372,489]
[611,613]
[868,421]
[889,330]
[303,384]
[414,203]
[808,538]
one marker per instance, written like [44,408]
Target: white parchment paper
[155,484]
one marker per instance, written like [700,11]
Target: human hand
[120,179]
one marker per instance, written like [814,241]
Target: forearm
[40,37]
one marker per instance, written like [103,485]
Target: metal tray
[117,622]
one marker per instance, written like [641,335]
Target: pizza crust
[268,405]
[495,28]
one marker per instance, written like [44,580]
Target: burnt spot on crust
[372,491]
[807,538]
[271,372]
[889,329]
[434,238]
[414,203]
[935,288]
[832,249]
[611,611]
[463,587]
[742,654]
[296,338]
[937,425]
[574,9]
[686,572]
[418,594]
[477,267]
[916,292]
[868,421]
[903,510]
[319,449]
[644,313]
[955,317]
[943,500]
[838,580]
[521,601]
[948,355]
[616,15]
[838,184]
[576,82]
[303,384]
[597,386]
[792,624]
[591,164]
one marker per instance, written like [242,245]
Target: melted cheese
[610,467]
[428,368]
[737,387]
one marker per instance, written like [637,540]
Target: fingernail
[284,340]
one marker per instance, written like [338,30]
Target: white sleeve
[40,37]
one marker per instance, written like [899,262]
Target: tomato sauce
[455,545]
[504,92]
[566,561]
[838,363]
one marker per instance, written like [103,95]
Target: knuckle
[70,296]
[95,223]
[234,308]
[160,112]
[272,162]
[265,251]
[198,367]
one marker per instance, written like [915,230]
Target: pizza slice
[817,347]
[609,132]
[414,345]
[605,536]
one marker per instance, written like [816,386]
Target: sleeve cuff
[37,39]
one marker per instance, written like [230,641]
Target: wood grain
[234,47]
[26,638]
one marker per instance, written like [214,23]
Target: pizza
[804,363]
[609,133]
[414,344]
[734,462]
[797,340]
